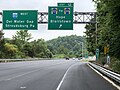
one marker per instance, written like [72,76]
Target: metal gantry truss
[78,17]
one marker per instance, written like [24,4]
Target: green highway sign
[66,4]
[97,53]
[60,18]
[20,19]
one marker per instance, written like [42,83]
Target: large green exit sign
[60,18]
[20,19]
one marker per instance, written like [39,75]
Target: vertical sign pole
[81,43]
[97,56]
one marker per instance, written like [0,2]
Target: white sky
[42,6]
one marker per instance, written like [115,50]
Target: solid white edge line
[58,87]
[107,79]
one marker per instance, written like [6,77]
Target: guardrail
[25,59]
[112,75]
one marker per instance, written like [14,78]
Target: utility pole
[97,49]
[81,43]
[82,49]
[96,26]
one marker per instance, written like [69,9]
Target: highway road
[51,75]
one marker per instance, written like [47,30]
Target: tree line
[21,46]
[108,33]
[68,46]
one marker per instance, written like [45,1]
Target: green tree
[21,37]
[67,45]
[91,37]
[1,44]
[40,49]
[109,26]
[11,50]
[1,35]
[62,50]
[28,49]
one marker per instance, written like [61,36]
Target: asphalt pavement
[51,75]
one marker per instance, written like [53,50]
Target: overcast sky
[42,6]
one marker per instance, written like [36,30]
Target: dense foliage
[68,46]
[108,33]
[91,37]
[20,46]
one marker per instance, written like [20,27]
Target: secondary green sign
[60,18]
[66,4]
[20,19]
[97,53]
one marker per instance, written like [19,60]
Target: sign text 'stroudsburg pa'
[20,19]
[60,18]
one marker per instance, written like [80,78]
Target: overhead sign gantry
[78,17]
[59,17]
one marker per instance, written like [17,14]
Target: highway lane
[47,75]
[82,77]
